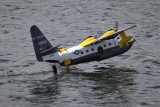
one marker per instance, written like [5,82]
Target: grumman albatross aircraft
[109,44]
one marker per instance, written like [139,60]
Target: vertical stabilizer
[40,42]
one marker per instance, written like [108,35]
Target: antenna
[116,25]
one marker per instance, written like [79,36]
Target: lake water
[128,80]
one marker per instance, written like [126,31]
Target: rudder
[40,42]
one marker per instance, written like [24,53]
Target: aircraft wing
[112,35]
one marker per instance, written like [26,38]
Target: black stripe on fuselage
[108,53]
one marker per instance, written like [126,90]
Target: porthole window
[92,49]
[104,45]
[118,38]
[87,50]
[109,43]
[81,52]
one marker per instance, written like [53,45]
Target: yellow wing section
[109,32]
[88,41]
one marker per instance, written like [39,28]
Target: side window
[81,52]
[104,45]
[110,44]
[92,49]
[100,49]
[87,51]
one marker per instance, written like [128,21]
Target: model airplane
[109,44]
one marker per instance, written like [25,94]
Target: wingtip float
[112,43]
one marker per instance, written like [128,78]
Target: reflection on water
[44,91]
[112,85]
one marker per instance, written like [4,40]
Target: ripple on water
[153,61]
[5,32]
[13,7]
[155,87]
[4,60]
[124,56]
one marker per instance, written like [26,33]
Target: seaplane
[110,44]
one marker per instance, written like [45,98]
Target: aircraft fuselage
[94,52]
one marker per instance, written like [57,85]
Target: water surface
[128,80]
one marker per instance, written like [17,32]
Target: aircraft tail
[41,45]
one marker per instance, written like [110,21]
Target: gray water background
[128,80]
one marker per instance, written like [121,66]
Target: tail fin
[40,43]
